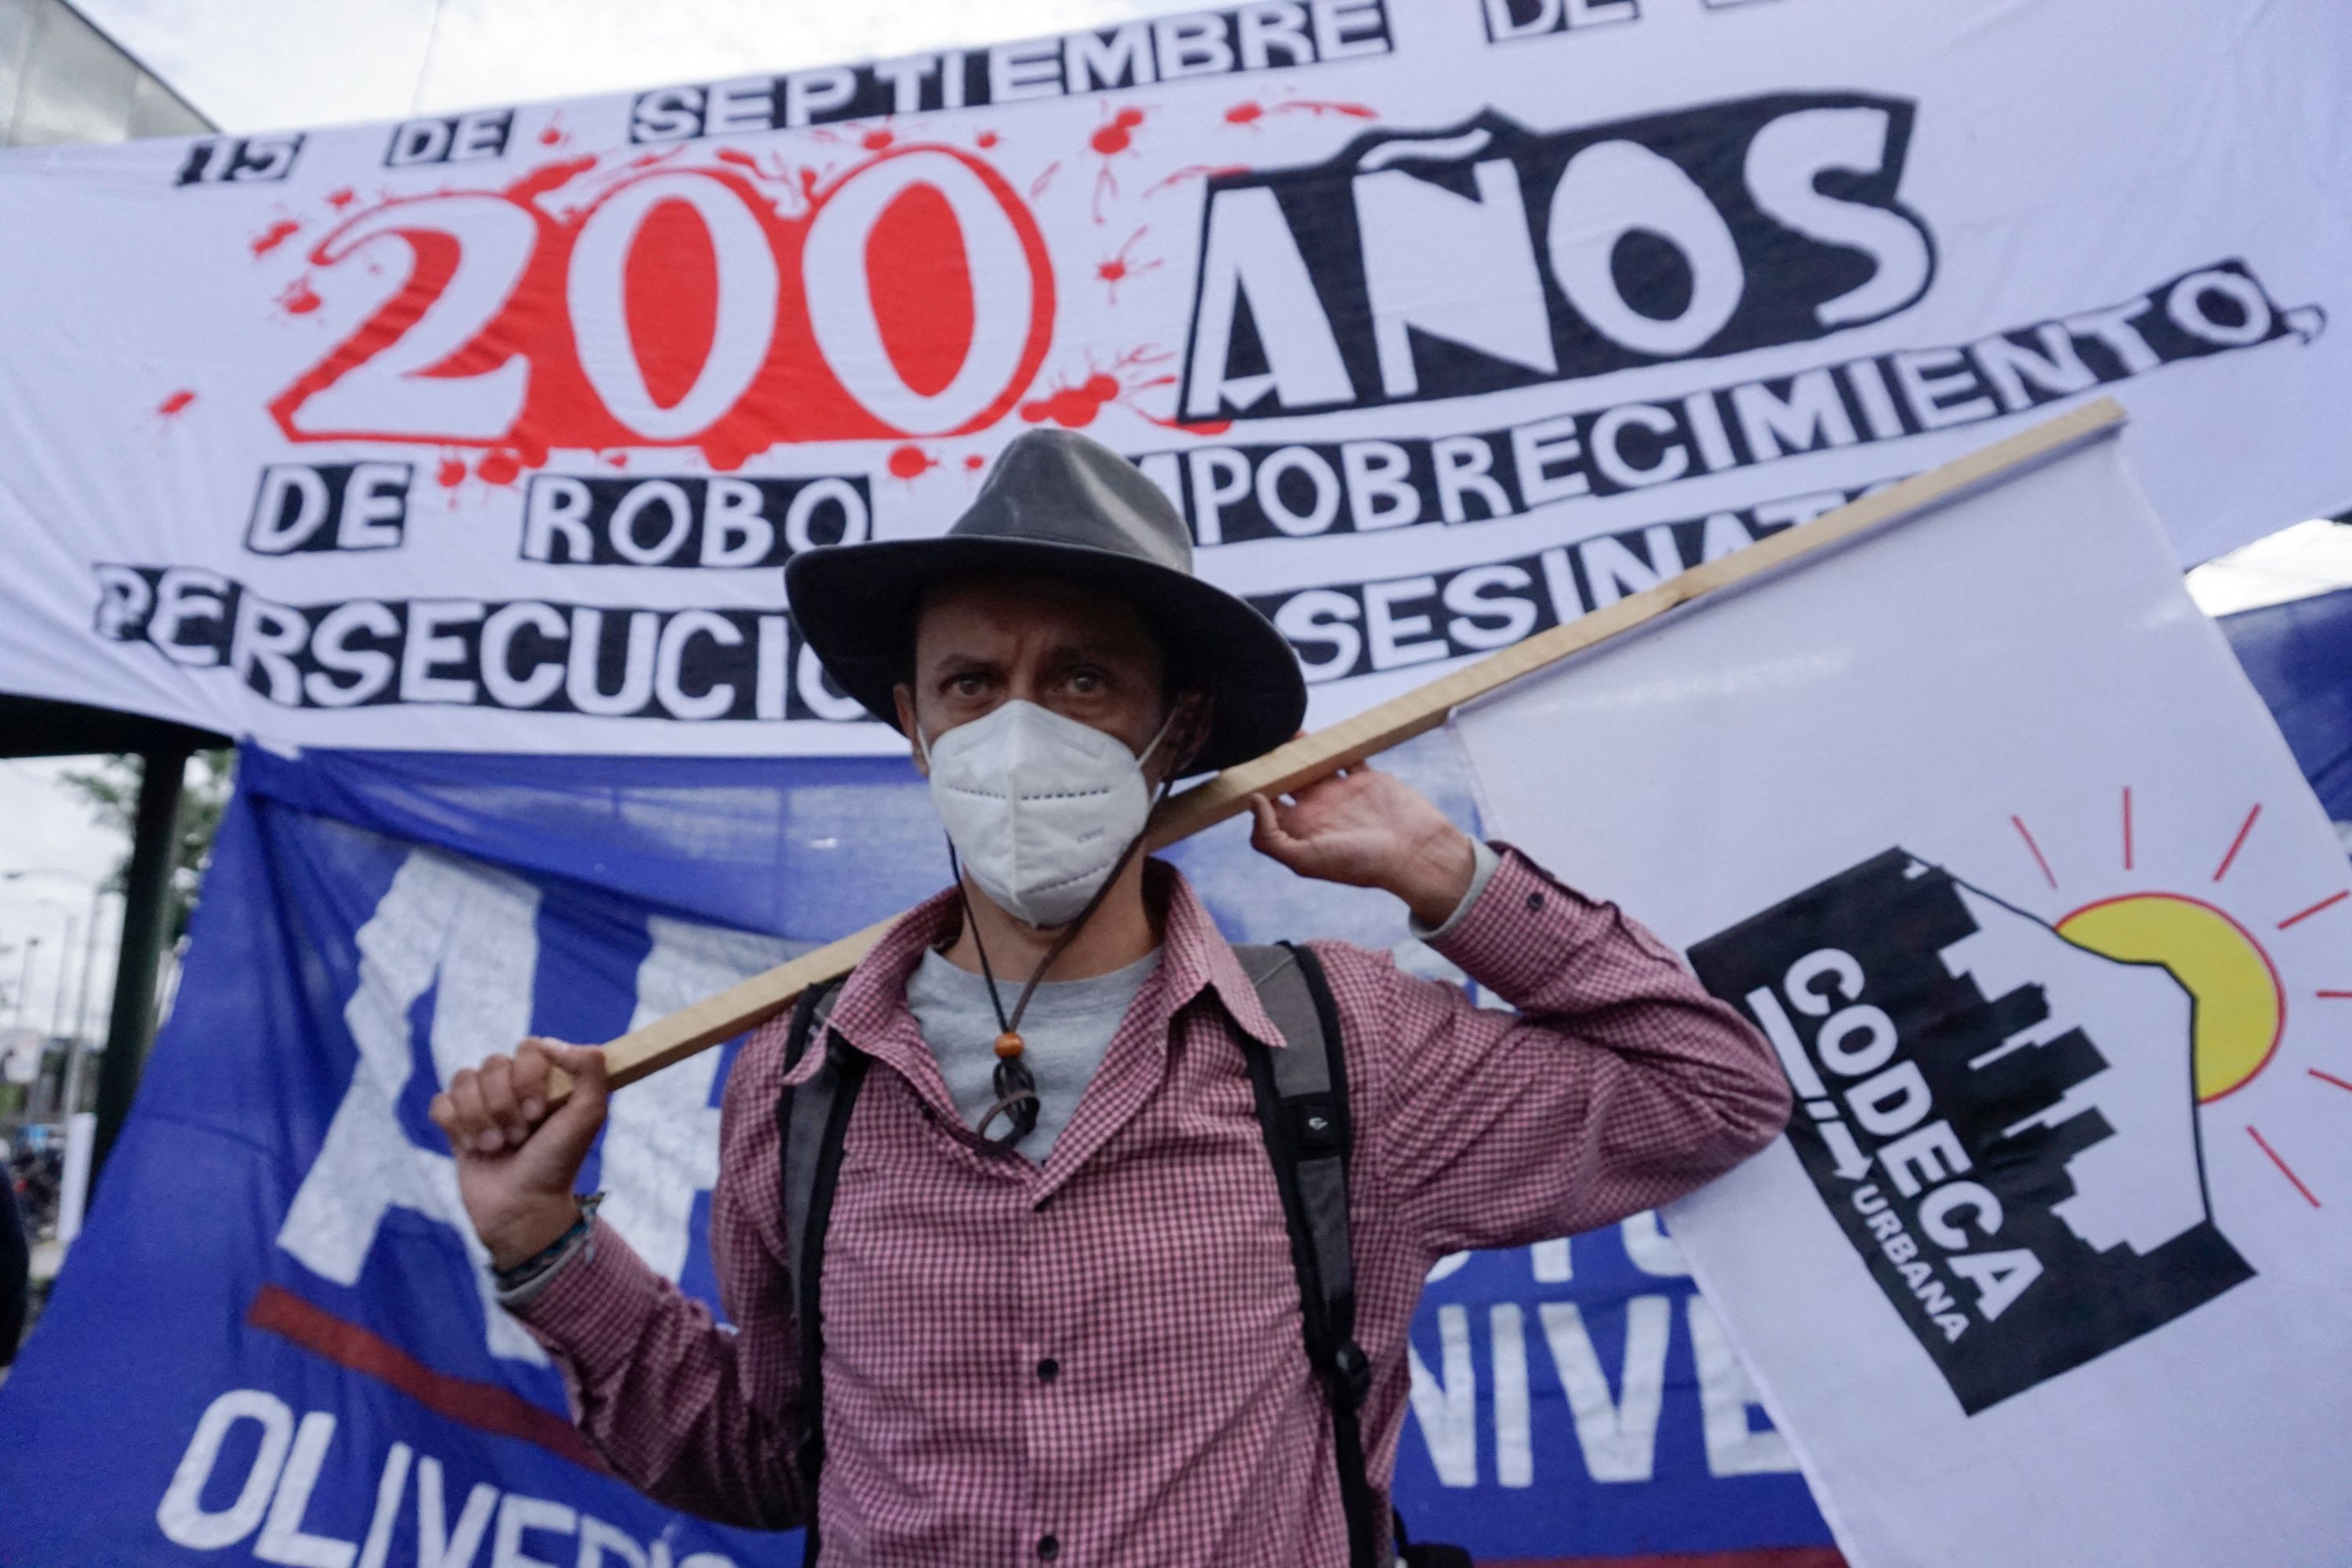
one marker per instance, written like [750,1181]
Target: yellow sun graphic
[2239,1024]
[2240,1006]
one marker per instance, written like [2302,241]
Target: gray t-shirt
[1064,1033]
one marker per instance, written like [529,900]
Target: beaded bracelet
[539,1262]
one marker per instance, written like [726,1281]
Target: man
[1060,1316]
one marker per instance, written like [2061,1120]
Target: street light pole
[25,977]
[65,968]
[146,917]
[78,1053]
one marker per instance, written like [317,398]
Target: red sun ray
[2025,833]
[2127,828]
[2340,995]
[2265,1144]
[2330,901]
[2238,843]
[2328,1078]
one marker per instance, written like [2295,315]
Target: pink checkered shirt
[1099,1360]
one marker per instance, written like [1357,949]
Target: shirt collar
[871,1010]
[1195,956]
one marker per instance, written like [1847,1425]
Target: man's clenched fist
[516,1163]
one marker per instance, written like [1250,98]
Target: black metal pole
[146,914]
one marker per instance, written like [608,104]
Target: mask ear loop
[1016,1088]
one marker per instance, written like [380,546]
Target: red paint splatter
[616,459]
[1069,407]
[875,141]
[176,402]
[1116,269]
[1113,137]
[548,177]
[501,468]
[1044,177]
[987,139]
[1249,112]
[1197,172]
[782,172]
[450,474]
[553,133]
[1117,134]
[1074,408]
[341,199]
[910,462]
[276,235]
[299,298]
[973,462]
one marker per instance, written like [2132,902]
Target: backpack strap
[812,1120]
[1302,1108]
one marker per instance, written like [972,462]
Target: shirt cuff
[516,1296]
[1513,934]
[589,1308]
[1482,871]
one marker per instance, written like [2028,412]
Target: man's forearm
[1619,1084]
[661,1393]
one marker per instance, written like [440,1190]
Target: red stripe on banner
[2027,834]
[2328,902]
[2285,1170]
[485,1406]
[1753,1557]
[2238,843]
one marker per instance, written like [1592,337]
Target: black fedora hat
[1060,506]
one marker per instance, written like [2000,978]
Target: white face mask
[1039,807]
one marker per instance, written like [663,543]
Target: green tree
[111,790]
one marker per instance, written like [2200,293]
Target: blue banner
[2299,657]
[273,1342]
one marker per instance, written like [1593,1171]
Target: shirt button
[1048,1370]
[1535,901]
[1049,1547]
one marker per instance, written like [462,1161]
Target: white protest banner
[1444,322]
[2016,873]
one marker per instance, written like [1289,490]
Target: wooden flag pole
[1311,757]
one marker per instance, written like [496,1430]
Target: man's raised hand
[1369,829]
[516,1163]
